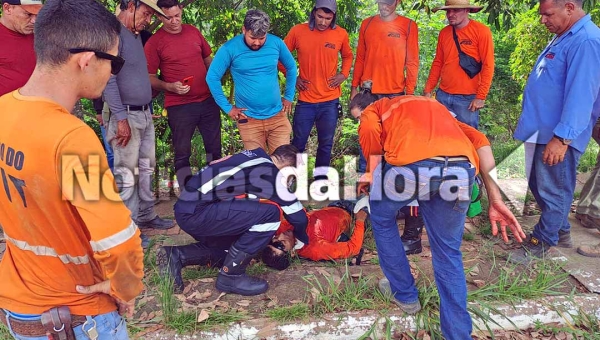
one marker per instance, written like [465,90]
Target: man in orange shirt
[461,93]
[329,232]
[418,151]
[68,243]
[387,52]
[318,44]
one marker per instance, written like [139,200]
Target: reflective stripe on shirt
[47,251]
[223,176]
[115,239]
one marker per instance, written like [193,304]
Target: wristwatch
[563,140]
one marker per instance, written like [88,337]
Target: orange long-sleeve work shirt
[63,220]
[408,129]
[475,40]
[324,228]
[384,49]
[318,53]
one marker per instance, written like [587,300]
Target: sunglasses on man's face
[278,245]
[116,62]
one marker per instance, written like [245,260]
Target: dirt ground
[484,261]
[483,257]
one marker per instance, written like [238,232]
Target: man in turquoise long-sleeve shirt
[252,57]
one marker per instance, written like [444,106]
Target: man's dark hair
[167,3]
[364,98]
[65,24]
[276,261]
[286,154]
[326,10]
[257,22]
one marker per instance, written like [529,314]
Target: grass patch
[218,317]
[468,236]
[588,159]
[4,334]
[510,286]
[257,269]
[289,313]
[199,272]
[182,322]
[374,260]
[369,240]
[584,326]
[344,294]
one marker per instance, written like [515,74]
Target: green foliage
[530,38]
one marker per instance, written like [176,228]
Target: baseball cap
[31,6]
[329,4]
[387,2]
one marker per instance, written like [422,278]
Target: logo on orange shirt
[466,42]
[330,45]
[394,35]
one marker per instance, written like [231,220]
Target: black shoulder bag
[469,64]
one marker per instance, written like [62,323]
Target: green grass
[257,269]
[289,313]
[218,317]
[4,334]
[584,326]
[199,272]
[468,236]
[349,294]
[182,322]
[588,159]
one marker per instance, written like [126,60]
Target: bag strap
[456,40]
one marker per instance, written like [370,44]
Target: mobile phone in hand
[188,81]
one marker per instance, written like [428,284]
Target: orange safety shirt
[407,129]
[475,40]
[324,228]
[60,231]
[318,53]
[383,50]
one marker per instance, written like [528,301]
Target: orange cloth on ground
[407,129]
[52,243]
[318,53]
[475,40]
[324,228]
[382,53]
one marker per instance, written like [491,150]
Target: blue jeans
[324,115]
[553,188]
[459,105]
[110,326]
[443,192]
[109,151]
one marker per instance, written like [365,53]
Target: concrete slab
[585,269]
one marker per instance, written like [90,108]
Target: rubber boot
[411,237]
[232,276]
[172,259]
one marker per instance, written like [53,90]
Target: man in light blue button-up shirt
[561,103]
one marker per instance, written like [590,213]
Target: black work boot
[172,259]
[411,237]
[232,276]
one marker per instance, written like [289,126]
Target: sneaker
[529,252]
[564,239]
[157,223]
[589,251]
[386,289]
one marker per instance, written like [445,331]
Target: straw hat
[451,4]
[150,3]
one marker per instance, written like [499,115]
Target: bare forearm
[158,84]
[488,172]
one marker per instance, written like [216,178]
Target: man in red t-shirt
[17,58]
[183,55]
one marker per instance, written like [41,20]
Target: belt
[450,159]
[34,328]
[138,108]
